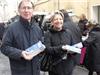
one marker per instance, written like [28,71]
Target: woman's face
[57,21]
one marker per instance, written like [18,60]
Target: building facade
[91,8]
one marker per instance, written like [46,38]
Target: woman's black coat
[93,47]
[54,41]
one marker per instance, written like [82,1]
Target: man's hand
[26,55]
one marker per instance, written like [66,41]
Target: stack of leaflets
[36,48]
[73,49]
[78,45]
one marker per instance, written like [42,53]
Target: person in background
[92,43]
[55,40]
[69,24]
[2,30]
[19,36]
[82,24]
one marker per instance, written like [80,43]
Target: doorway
[96,13]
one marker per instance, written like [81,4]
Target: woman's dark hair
[28,1]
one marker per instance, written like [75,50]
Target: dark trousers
[90,72]
[65,67]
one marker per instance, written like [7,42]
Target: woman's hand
[64,47]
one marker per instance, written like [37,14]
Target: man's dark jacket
[19,36]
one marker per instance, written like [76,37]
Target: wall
[78,6]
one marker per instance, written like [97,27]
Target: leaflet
[73,49]
[78,45]
[85,37]
[36,48]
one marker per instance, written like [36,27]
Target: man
[20,36]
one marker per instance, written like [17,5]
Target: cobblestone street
[4,65]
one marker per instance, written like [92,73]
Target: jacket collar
[52,30]
[25,23]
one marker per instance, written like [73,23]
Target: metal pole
[58,5]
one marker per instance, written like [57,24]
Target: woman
[55,40]
[93,49]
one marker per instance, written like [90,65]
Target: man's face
[26,10]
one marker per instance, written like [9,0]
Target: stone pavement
[5,69]
[4,65]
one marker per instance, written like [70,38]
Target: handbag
[46,62]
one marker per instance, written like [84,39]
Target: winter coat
[93,47]
[54,41]
[19,36]
[76,35]
[74,29]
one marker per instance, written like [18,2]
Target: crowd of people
[62,31]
